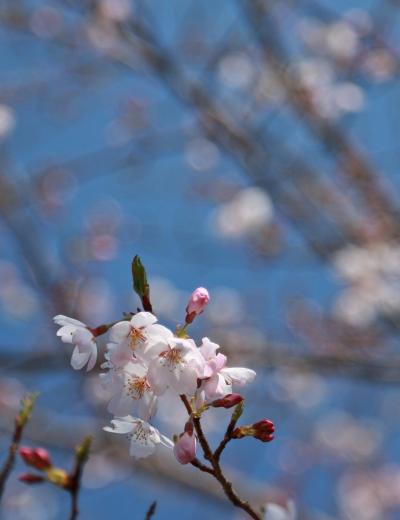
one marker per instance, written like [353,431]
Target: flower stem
[21,420]
[81,456]
[216,468]
[151,511]
[228,434]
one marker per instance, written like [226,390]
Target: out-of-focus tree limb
[274,355]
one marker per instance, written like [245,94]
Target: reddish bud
[264,430]
[36,457]
[227,401]
[196,304]
[30,478]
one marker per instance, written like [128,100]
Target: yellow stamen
[136,336]
[136,387]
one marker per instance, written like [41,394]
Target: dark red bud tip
[263,430]
[98,331]
[189,427]
[227,401]
[30,478]
[38,458]
[264,437]
[190,317]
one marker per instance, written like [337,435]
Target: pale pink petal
[208,349]
[238,376]
[143,319]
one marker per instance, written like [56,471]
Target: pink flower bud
[30,478]
[36,457]
[185,448]
[197,302]
[264,430]
[227,401]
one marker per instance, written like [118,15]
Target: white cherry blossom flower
[277,512]
[131,391]
[77,333]
[144,438]
[177,366]
[136,338]
[218,378]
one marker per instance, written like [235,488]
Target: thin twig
[196,463]
[228,434]
[217,471]
[21,420]
[81,456]
[151,510]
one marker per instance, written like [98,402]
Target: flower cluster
[144,361]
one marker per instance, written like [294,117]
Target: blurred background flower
[258,158]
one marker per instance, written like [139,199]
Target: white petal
[159,331]
[66,333]
[119,355]
[143,319]
[184,381]
[82,337]
[92,357]
[151,349]
[238,376]
[141,448]
[67,330]
[157,376]
[119,332]
[79,359]
[135,369]
[64,320]
[120,426]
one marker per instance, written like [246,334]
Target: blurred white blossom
[373,277]
[236,70]
[7,121]
[248,212]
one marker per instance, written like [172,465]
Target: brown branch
[217,471]
[202,467]
[151,511]
[229,430]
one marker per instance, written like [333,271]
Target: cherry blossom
[144,438]
[136,338]
[178,366]
[131,392]
[218,378]
[77,333]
